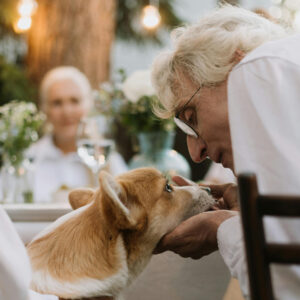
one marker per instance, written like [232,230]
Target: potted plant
[129,101]
[19,125]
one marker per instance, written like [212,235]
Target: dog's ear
[115,205]
[80,197]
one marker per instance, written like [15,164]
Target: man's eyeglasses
[185,127]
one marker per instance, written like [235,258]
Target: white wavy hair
[205,51]
[66,73]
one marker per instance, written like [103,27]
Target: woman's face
[64,108]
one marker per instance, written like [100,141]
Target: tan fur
[80,197]
[85,245]
[75,249]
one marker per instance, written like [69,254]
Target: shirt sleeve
[230,243]
[264,107]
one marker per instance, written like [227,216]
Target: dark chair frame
[261,254]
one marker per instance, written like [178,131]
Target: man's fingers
[170,241]
[217,190]
[159,248]
[162,245]
[219,205]
[182,181]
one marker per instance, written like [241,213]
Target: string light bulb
[23,24]
[26,9]
[150,17]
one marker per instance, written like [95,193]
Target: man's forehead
[181,95]
[187,100]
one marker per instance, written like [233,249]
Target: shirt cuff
[229,234]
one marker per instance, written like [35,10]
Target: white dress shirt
[264,110]
[53,169]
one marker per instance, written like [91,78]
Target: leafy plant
[14,84]
[129,101]
[19,125]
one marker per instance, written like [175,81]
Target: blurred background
[112,43]
[100,38]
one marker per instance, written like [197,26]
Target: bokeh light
[151,17]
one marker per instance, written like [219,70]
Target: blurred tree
[72,32]
[14,83]
[81,33]
[8,13]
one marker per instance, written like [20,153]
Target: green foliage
[14,84]
[139,117]
[135,116]
[19,125]
[129,11]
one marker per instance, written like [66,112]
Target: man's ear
[80,197]
[238,56]
[115,203]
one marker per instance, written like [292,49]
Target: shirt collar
[48,150]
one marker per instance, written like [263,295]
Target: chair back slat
[258,270]
[288,206]
[260,254]
[283,254]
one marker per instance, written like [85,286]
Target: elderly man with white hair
[232,82]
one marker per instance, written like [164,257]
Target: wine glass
[92,145]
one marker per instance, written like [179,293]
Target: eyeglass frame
[182,124]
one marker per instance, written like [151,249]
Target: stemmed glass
[92,145]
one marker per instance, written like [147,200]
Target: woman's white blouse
[53,169]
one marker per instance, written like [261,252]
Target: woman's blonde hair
[66,73]
[205,51]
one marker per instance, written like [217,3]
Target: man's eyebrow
[177,110]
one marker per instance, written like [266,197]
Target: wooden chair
[261,254]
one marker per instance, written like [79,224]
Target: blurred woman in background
[65,98]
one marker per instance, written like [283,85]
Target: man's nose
[197,148]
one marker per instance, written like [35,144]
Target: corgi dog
[108,239]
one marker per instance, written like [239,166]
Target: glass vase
[17,182]
[156,151]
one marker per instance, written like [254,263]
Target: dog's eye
[168,188]
[207,189]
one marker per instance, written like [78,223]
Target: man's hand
[226,194]
[195,237]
